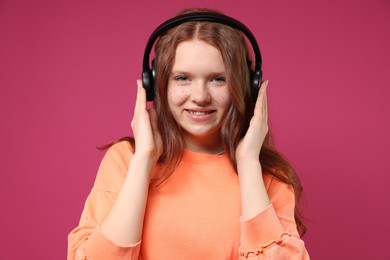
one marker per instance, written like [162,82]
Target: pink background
[67,76]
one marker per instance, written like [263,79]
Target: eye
[182,79]
[220,80]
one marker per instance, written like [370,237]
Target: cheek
[177,95]
[221,97]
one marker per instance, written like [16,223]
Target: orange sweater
[194,214]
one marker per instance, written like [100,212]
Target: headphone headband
[148,78]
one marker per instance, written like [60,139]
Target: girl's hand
[148,140]
[250,145]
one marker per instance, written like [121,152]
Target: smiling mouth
[199,113]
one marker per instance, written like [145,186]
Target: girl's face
[198,94]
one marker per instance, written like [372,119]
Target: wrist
[247,160]
[248,168]
[147,155]
[144,160]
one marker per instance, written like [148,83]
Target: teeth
[198,113]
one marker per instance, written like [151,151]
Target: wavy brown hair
[236,56]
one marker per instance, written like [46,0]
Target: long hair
[236,56]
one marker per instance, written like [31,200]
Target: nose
[200,93]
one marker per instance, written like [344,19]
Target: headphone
[148,74]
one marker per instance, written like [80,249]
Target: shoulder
[122,149]
[114,165]
[119,154]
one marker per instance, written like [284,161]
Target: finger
[261,95]
[142,101]
[263,89]
[137,99]
[138,104]
[141,97]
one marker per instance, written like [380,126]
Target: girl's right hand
[148,140]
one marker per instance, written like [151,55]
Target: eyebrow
[214,73]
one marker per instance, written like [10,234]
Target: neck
[205,145]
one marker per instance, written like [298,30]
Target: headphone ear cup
[255,81]
[148,81]
[154,72]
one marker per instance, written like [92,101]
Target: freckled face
[198,94]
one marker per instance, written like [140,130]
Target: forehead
[197,54]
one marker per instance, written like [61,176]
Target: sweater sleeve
[86,241]
[272,234]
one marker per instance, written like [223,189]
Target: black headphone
[148,74]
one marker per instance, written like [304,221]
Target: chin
[203,133]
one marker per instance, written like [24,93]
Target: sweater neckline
[202,158]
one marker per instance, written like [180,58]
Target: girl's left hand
[250,145]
